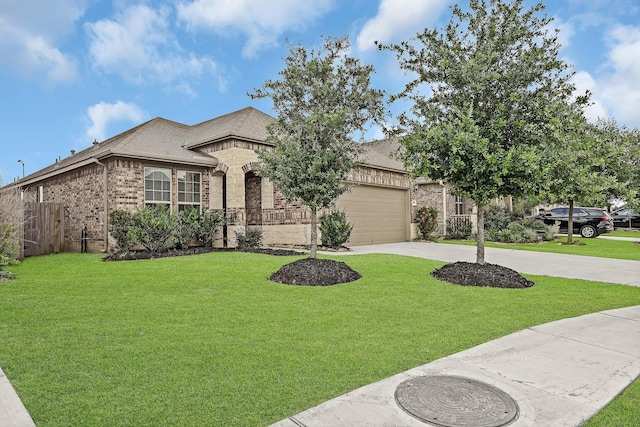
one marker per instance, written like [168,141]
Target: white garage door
[378,214]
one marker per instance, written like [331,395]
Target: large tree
[486,89]
[323,100]
[585,165]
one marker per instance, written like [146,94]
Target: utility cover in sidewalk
[456,401]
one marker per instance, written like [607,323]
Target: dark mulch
[136,255]
[315,272]
[485,275]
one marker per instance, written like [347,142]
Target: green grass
[208,340]
[622,412]
[625,233]
[597,247]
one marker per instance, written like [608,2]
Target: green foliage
[427,221]
[459,228]
[11,219]
[121,222]
[210,223]
[334,228]
[154,228]
[158,229]
[322,101]
[504,225]
[187,225]
[498,92]
[9,249]
[248,237]
[497,218]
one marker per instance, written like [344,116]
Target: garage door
[378,214]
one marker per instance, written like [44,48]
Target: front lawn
[208,340]
[597,247]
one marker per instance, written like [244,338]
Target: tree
[495,82]
[322,101]
[586,165]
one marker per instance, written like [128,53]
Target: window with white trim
[188,190]
[157,187]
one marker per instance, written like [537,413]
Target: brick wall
[81,193]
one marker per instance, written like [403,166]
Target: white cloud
[139,46]
[619,88]
[103,114]
[28,37]
[261,21]
[397,19]
[585,82]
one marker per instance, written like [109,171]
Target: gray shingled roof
[382,154]
[166,140]
[248,124]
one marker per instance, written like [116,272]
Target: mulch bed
[483,275]
[315,272]
[136,255]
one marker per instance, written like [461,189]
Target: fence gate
[43,228]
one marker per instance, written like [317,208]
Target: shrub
[335,228]
[496,218]
[187,225]
[11,219]
[248,238]
[521,232]
[120,221]
[459,228]
[427,221]
[154,228]
[210,223]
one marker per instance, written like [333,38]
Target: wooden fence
[43,228]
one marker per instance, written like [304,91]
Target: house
[211,165]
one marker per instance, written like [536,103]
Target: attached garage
[378,214]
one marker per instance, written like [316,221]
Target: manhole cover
[455,401]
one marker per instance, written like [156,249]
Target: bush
[496,218]
[248,238]
[11,219]
[427,221]
[187,225]
[154,228]
[335,228]
[521,232]
[120,221]
[459,228]
[210,223]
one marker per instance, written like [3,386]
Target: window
[157,186]
[188,190]
[460,208]
[40,193]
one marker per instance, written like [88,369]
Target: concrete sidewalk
[558,374]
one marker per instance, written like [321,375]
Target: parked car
[626,218]
[589,222]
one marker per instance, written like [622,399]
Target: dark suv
[589,222]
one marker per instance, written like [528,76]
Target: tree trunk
[314,233]
[570,224]
[480,238]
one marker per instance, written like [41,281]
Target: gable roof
[164,140]
[248,124]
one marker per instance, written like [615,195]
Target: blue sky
[72,71]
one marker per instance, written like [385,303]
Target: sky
[75,71]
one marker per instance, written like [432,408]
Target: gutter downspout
[105,201]
[444,207]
